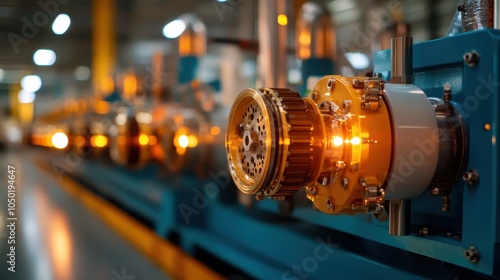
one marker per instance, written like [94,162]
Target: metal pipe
[402,60]
[401,73]
[399,217]
[272,37]
[496,14]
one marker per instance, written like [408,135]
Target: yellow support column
[103,45]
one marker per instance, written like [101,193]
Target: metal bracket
[372,95]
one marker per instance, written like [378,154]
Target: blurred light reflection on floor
[56,238]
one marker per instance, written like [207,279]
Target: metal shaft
[399,217]
[496,14]
[402,60]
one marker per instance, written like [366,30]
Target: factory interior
[249,139]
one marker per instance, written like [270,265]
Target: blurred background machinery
[251,139]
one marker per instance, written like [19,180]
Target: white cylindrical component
[415,141]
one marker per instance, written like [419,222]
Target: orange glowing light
[99,141]
[80,141]
[355,141]
[152,140]
[282,19]
[215,130]
[192,141]
[337,141]
[59,140]
[183,141]
[143,139]
[121,140]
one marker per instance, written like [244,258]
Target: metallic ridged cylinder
[402,60]
[477,14]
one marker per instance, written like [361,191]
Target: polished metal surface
[399,217]
[56,237]
[402,60]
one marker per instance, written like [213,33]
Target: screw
[435,191]
[472,254]
[471,58]
[487,127]
[471,177]
[424,230]
[346,106]
[315,95]
[330,84]
[345,183]
[312,190]
[329,204]
[447,92]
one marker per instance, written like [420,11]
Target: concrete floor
[56,237]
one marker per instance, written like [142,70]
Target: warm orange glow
[185,45]
[121,140]
[183,141]
[337,141]
[215,130]
[101,107]
[143,139]
[99,141]
[60,246]
[152,140]
[355,141]
[107,85]
[282,19]
[192,141]
[79,141]
[59,140]
[129,85]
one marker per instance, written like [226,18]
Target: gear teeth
[300,149]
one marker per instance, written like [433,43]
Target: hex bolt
[329,204]
[330,84]
[471,177]
[346,106]
[315,95]
[472,254]
[447,92]
[435,191]
[345,183]
[312,190]
[471,58]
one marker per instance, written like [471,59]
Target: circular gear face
[248,142]
[252,151]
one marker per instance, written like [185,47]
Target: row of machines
[392,175]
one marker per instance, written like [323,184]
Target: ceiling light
[358,61]
[25,97]
[174,29]
[31,83]
[44,57]
[61,24]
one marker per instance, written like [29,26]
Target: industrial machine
[392,175]
[416,145]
